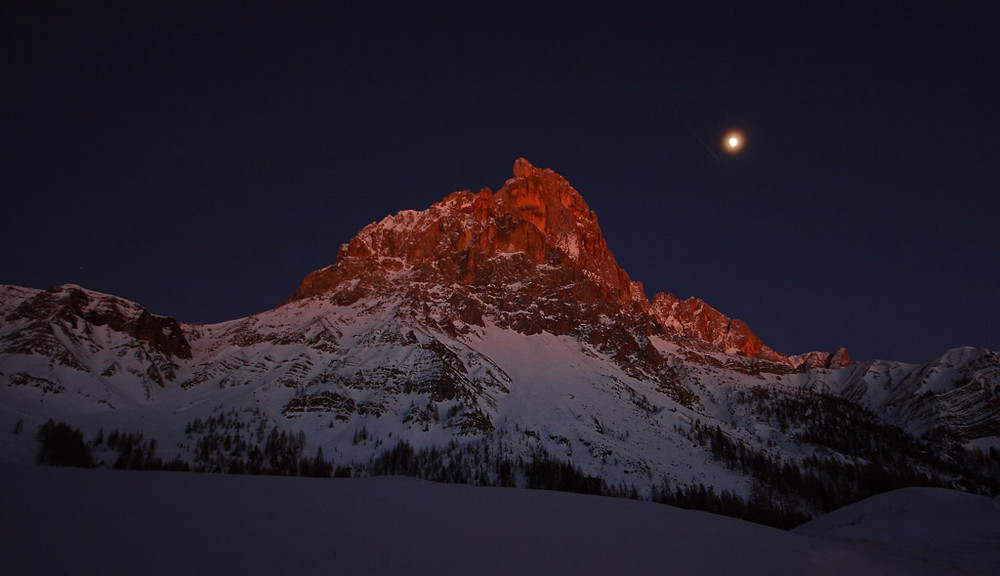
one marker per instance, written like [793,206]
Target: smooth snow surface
[944,526]
[73,521]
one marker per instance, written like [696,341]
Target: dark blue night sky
[202,160]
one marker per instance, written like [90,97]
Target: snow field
[75,521]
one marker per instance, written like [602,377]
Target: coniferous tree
[63,446]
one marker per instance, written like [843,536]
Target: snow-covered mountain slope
[202,524]
[484,334]
[954,395]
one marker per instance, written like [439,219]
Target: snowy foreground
[75,521]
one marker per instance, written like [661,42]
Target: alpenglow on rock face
[493,338]
[531,256]
[485,239]
[695,319]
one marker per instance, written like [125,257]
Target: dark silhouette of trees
[63,446]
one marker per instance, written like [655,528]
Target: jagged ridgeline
[491,339]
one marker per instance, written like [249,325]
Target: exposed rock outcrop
[69,305]
[819,359]
[531,256]
[694,318]
[483,241]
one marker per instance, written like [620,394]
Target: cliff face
[530,257]
[558,212]
[483,241]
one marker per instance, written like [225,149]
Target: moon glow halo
[733,141]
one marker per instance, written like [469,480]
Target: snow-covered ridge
[381,371]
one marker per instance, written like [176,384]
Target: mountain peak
[545,199]
[536,216]
[531,256]
[558,211]
[525,169]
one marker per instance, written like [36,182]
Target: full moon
[733,141]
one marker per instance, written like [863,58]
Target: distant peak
[822,359]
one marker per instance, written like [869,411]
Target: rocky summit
[534,238]
[531,258]
[492,339]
